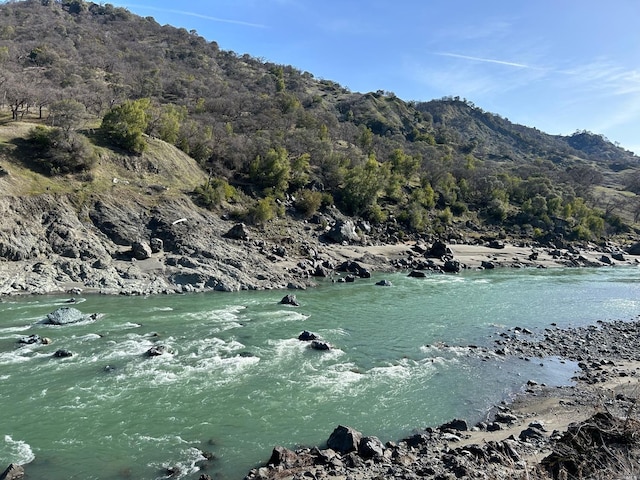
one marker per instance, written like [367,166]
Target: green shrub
[125,124]
[214,192]
[307,202]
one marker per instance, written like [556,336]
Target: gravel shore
[589,430]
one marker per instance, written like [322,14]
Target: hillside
[123,126]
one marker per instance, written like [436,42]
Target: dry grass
[161,169]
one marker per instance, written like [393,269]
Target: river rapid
[238,381]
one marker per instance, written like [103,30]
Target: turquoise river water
[239,382]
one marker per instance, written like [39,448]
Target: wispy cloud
[198,15]
[487,60]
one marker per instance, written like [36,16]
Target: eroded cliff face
[112,245]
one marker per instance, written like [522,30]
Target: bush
[62,152]
[307,202]
[126,124]
[214,192]
[264,210]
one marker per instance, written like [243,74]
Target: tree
[67,114]
[272,173]
[126,123]
[362,186]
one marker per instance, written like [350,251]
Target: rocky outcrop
[68,315]
[343,231]
[13,472]
[290,300]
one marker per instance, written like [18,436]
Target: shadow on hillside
[26,155]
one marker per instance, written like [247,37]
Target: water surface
[239,382]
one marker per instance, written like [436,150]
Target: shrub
[307,202]
[62,152]
[125,124]
[214,192]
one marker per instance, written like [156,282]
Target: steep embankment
[127,227]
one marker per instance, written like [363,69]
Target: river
[238,381]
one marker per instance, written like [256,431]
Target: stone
[370,447]
[487,265]
[157,350]
[156,244]
[13,472]
[438,250]
[141,250]
[290,299]
[417,274]
[452,266]
[238,232]
[64,316]
[384,283]
[320,345]
[634,249]
[455,424]
[281,456]
[306,336]
[344,439]
[497,244]
[35,340]
[343,231]
[62,353]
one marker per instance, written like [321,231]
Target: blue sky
[558,65]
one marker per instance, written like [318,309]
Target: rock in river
[67,315]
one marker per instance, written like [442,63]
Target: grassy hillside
[164,111]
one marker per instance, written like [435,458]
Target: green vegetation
[269,140]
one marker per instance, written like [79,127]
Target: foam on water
[17,328]
[15,451]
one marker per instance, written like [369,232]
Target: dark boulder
[497,244]
[290,299]
[238,232]
[364,273]
[634,249]
[384,283]
[320,271]
[438,250]
[455,424]
[320,345]
[350,279]
[370,447]
[141,250]
[618,256]
[417,274]
[451,266]
[306,336]
[606,259]
[281,456]
[344,439]
[487,265]
[156,244]
[62,353]
[157,350]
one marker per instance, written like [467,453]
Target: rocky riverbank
[588,430]
[116,246]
